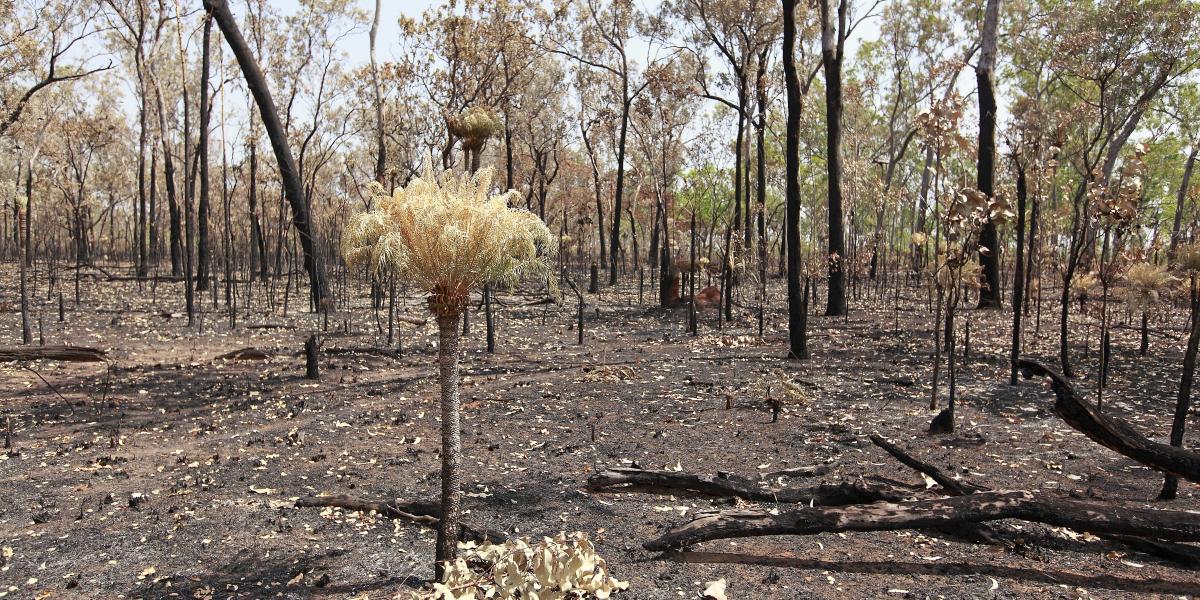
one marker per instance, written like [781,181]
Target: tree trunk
[1111,433]
[1181,199]
[1018,272]
[1171,483]
[25,247]
[381,145]
[258,243]
[761,189]
[797,336]
[448,527]
[989,294]
[153,217]
[739,191]
[832,46]
[614,239]
[596,188]
[141,167]
[175,225]
[313,263]
[202,247]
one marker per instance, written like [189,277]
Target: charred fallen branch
[1180,553]
[60,353]
[248,353]
[429,513]
[1039,573]
[727,485]
[1111,433]
[974,508]
[952,486]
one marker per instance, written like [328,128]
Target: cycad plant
[446,234]
[1145,283]
[474,125]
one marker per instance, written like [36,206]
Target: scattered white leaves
[929,482]
[518,569]
[715,590]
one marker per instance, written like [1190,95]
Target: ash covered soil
[172,473]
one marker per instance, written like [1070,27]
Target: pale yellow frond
[447,234]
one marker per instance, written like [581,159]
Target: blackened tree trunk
[153,241]
[668,294]
[142,221]
[258,242]
[381,145]
[1171,483]
[189,195]
[833,41]
[202,246]
[761,190]
[175,225]
[25,247]
[313,263]
[739,191]
[614,239]
[1018,271]
[797,336]
[989,251]
[594,160]
[1181,199]
[761,151]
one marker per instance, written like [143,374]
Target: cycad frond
[446,234]
[1145,283]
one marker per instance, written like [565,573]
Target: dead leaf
[715,589]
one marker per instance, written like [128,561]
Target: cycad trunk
[447,538]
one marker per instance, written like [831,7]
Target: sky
[357,46]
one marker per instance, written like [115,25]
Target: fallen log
[803,471]
[1111,433]
[979,507]
[386,352]
[727,485]
[270,326]
[1040,574]
[429,513]
[953,486]
[1180,553]
[61,353]
[249,353]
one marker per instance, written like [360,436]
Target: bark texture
[448,527]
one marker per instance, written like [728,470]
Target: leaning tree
[446,234]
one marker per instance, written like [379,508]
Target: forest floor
[173,473]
